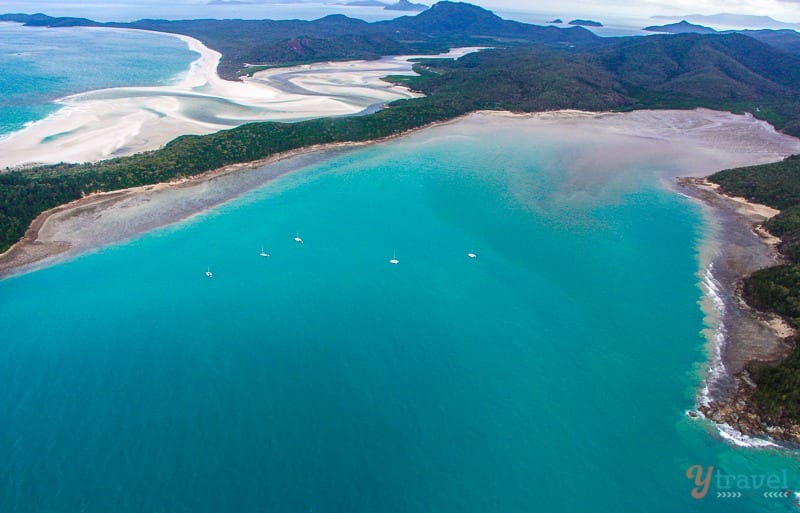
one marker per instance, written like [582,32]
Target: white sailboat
[263,253]
[394,260]
[472,255]
[209,274]
[298,240]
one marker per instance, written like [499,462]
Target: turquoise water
[549,374]
[38,66]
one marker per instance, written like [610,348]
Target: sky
[125,10]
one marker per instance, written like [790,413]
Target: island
[405,5]
[556,21]
[734,20]
[366,3]
[682,27]
[585,23]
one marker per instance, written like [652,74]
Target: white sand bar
[121,121]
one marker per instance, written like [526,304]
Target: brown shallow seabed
[752,338]
[105,218]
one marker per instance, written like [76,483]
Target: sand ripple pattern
[121,121]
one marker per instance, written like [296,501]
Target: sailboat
[472,255]
[209,274]
[394,259]
[263,253]
[298,240]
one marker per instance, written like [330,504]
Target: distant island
[734,20]
[683,27]
[405,5]
[557,20]
[366,3]
[585,23]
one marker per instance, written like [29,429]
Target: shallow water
[38,66]
[551,373]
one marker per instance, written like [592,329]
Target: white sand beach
[121,121]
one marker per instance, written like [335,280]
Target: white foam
[716,365]
[731,435]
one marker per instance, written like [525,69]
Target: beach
[120,121]
[742,247]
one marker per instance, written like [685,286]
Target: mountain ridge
[338,37]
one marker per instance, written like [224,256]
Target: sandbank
[121,121]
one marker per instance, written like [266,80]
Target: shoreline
[105,123]
[41,245]
[744,337]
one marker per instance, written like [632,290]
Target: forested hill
[727,72]
[337,37]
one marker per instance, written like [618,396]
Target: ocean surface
[550,373]
[40,65]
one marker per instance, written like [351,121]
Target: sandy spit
[113,122]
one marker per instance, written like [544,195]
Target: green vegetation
[337,37]
[775,289]
[778,391]
[776,185]
[657,71]
[25,194]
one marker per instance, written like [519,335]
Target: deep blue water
[551,373]
[41,65]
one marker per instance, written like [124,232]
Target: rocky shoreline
[751,339]
[741,412]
